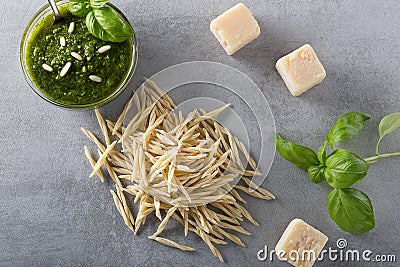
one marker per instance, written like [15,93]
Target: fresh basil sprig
[349,208]
[102,21]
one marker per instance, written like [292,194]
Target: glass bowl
[44,12]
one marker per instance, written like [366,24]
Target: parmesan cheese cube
[300,244]
[235,28]
[301,70]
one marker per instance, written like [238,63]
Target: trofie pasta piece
[176,167]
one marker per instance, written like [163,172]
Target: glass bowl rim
[43,11]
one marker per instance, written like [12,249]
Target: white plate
[209,85]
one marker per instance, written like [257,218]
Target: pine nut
[71,27]
[47,67]
[104,49]
[62,41]
[76,55]
[95,78]
[65,69]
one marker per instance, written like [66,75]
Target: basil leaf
[344,168]
[104,23]
[301,156]
[387,125]
[98,3]
[79,8]
[95,28]
[322,153]
[351,210]
[316,174]
[346,127]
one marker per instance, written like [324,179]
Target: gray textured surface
[52,214]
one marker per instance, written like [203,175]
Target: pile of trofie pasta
[187,168]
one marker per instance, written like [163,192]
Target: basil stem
[381,156]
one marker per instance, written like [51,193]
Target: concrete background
[51,214]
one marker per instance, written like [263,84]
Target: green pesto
[75,87]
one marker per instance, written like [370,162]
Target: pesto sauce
[75,87]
